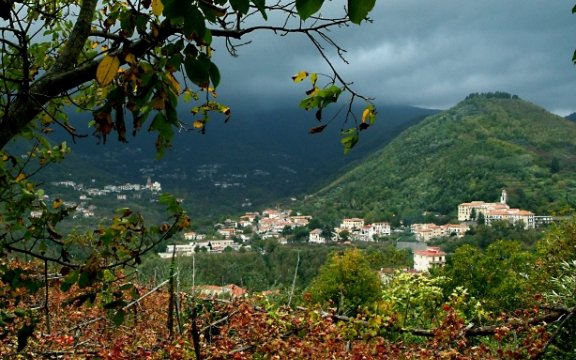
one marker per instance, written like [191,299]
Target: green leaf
[69,281]
[309,103]
[128,22]
[349,138]
[141,23]
[308,7]
[214,74]
[194,22]
[359,9]
[170,202]
[174,9]
[127,286]
[198,70]
[85,279]
[261,6]
[242,6]
[118,317]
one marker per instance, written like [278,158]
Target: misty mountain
[253,160]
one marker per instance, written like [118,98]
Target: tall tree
[346,282]
[501,275]
[111,57]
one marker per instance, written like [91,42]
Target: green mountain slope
[484,144]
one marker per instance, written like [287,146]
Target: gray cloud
[425,53]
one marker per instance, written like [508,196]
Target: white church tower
[503,197]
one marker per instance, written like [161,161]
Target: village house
[190,235]
[274,214]
[352,224]
[360,231]
[245,223]
[178,250]
[513,216]
[371,231]
[250,217]
[300,220]
[315,237]
[426,232]
[432,257]
[227,232]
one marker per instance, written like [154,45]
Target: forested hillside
[486,143]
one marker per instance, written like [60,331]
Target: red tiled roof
[431,251]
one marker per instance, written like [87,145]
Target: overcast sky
[424,53]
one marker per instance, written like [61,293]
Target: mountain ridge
[469,152]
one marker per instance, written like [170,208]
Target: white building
[495,212]
[424,260]
[513,216]
[214,246]
[316,237]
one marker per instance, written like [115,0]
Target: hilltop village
[85,206]
[236,235]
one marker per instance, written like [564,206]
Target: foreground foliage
[252,328]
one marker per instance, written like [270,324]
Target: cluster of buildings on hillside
[272,223]
[84,208]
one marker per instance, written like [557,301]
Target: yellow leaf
[130,59]
[187,95]
[313,79]
[300,76]
[20,177]
[368,114]
[107,70]
[198,124]
[173,82]
[57,203]
[157,7]
[365,114]
[225,110]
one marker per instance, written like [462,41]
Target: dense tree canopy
[346,282]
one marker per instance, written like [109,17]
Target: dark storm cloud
[426,53]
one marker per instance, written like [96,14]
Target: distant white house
[316,237]
[424,260]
